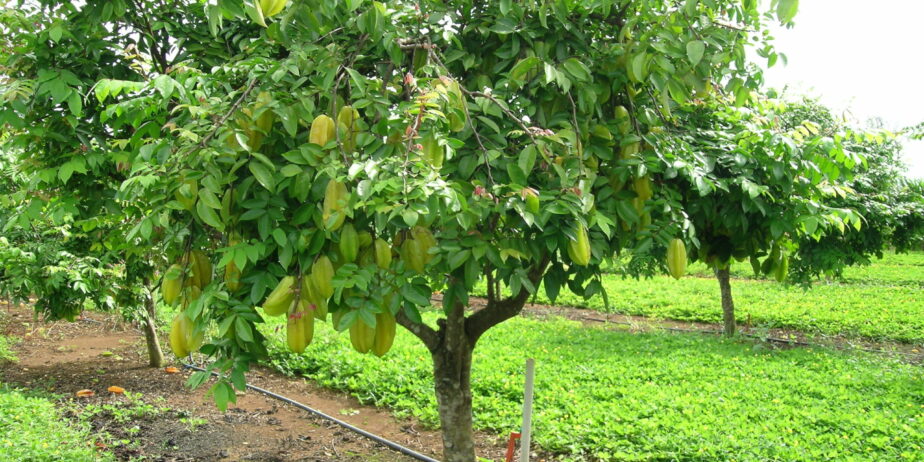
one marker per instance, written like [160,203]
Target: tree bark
[452,371]
[155,354]
[728,304]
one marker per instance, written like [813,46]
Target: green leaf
[524,66]
[577,69]
[242,329]
[416,294]
[208,216]
[786,10]
[209,198]
[290,170]
[639,67]
[262,174]
[516,174]
[695,51]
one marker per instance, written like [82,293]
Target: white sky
[859,56]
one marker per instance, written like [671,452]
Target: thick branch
[498,311]
[425,333]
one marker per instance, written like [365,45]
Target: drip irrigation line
[378,439]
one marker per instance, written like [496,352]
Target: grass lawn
[615,395]
[884,301]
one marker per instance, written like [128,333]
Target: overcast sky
[860,56]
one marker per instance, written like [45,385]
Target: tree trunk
[451,346]
[452,372]
[728,305]
[155,354]
[452,376]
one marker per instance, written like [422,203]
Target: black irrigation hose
[378,439]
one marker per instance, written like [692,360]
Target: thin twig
[544,152]
[577,132]
[333,99]
[234,108]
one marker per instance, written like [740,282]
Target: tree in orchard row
[417,147]
[53,55]
[890,208]
[755,188]
[773,208]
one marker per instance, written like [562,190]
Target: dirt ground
[98,352]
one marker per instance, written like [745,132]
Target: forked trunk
[728,304]
[155,354]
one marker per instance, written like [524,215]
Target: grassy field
[884,301]
[615,395]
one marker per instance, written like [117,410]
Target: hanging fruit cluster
[307,294]
[776,264]
[183,284]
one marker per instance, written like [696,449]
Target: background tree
[879,192]
[60,151]
[751,188]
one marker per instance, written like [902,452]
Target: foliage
[48,261]
[651,396]
[6,351]
[890,207]
[753,184]
[33,429]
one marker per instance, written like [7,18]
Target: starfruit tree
[752,188]
[64,213]
[341,161]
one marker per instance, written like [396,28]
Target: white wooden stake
[525,433]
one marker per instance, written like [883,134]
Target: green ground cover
[883,301]
[614,395]
[32,429]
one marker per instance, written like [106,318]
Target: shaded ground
[172,423]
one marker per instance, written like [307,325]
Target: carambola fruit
[579,247]
[232,277]
[322,273]
[280,299]
[384,332]
[300,328]
[382,254]
[336,197]
[349,243]
[200,268]
[183,339]
[172,284]
[676,258]
[322,130]
[362,336]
